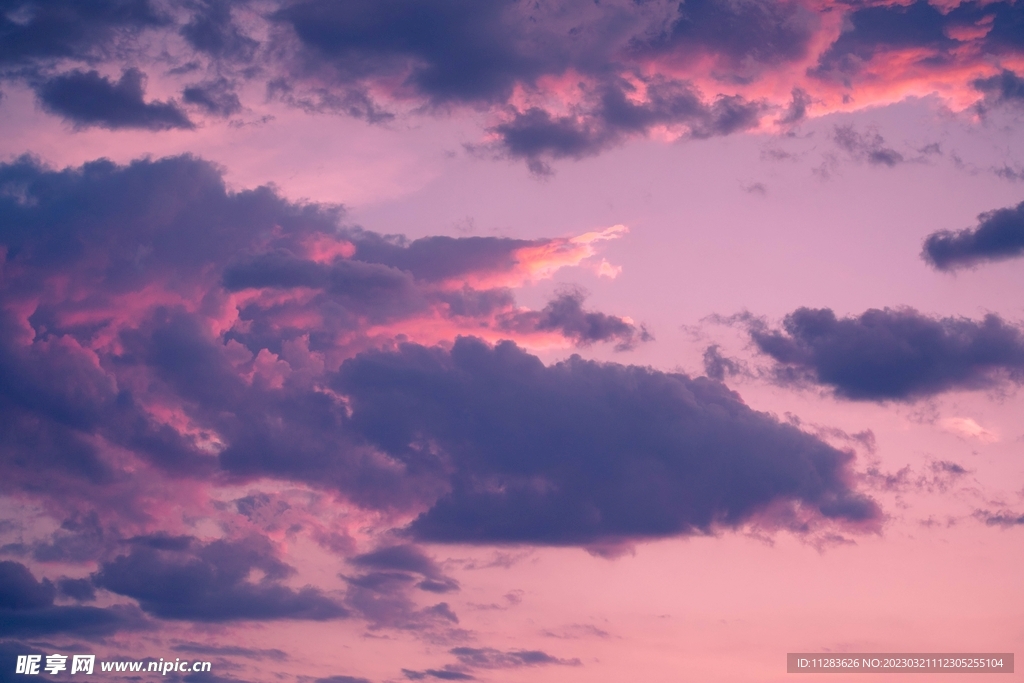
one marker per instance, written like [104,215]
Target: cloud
[1004,518]
[999,235]
[160,332]
[213,582]
[470,658]
[440,674]
[717,366]
[384,598]
[490,658]
[212,30]
[404,558]
[565,314]
[85,98]
[797,109]
[1004,88]
[617,110]
[194,329]
[81,590]
[580,452]
[483,54]
[61,29]
[451,51]
[892,354]
[27,609]
[739,34]
[869,147]
[216,97]
[871,30]
[557,80]
[342,679]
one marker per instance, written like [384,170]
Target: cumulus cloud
[617,110]
[184,579]
[33,32]
[215,97]
[213,29]
[409,559]
[196,335]
[27,609]
[582,452]
[565,314]
[160,334]
[999,235]
[85,98]
[892,354]
[562,79]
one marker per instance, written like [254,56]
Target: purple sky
[561,341]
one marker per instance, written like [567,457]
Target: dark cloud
[399,557]
[797,110]
[610,115]
[19,590]
[1007,87]
[53,398]
[565,314]
[81,590]
[892,354]
[922,27]
[211,29]
[154,256]
[370,289]
[472,53]
[490,658]
[869,147]
[740,33]
[231,651]
[458,50]
[384,596]
[1005,519]
[1009,173]
[1006,35]
[717,366]
[939,477]
[212,583]
[232,311]
[582,452]
[10,650]
[27,609]
[440,674]
[403,558]
[999,235]
[214,97]
[57,29]
[439,258]
[873,29]
[80,538]
[85,98]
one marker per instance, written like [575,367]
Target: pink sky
[259,431]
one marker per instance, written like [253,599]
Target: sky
[372,341]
